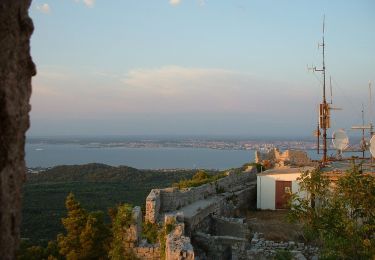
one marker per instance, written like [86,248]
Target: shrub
[150,232]
[200,178]
[258,166]
[343,219]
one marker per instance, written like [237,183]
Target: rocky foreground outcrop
[16,70]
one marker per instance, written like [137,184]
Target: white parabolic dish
[372,146]
[340,140]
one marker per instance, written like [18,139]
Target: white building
[275,185]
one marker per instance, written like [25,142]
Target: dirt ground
[274,225]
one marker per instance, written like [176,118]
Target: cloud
[202,2]
[176,99]
[174,2]
[44,8]
[174,88]
[89,3]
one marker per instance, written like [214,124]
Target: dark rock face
[16,70]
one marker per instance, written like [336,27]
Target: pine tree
[87,237]
[120,224]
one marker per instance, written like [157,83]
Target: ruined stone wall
[16,70]
[147,252]
[153,206]
[160,201]
[217,247]
[246,199]
[177,245]
[296,157]
[266,249]
[178,248]
[232,247]
[236,227]
[275,158]
[225,235]
[198,219]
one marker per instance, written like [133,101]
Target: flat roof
[289,170]
[333,168]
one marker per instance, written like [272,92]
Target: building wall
[266,188]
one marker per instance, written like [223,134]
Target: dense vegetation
[96,186]
[200,178]
[203,176]
[86,236]
[339,217]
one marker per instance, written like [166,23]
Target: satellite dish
[372,146]
[340,140]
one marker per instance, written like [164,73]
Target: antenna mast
[324,106]
[363,141]
[330,87]
[363,144]
[370,109]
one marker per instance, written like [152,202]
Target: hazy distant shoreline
[220,143]
[184,153]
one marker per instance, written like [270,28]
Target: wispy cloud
[200,89]
[44,8]
[202,2]
[174,2]
[165,93]
[89,3]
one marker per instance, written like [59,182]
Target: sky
[197,67]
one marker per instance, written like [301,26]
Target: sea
[49,155]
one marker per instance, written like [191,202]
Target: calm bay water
[48,155]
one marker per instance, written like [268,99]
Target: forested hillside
[96,186]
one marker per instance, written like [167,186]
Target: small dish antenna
[340,140]
[372,146]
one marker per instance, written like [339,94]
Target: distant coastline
[213,142]
[155,153]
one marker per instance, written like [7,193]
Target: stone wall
[160,201]
[153,206]
[16,70]
[134,231]
[232,247]
[266,249]
[217,247]
[133,241]
[226,235]
[178,246]
[275,158]
[147,252]
[235,227]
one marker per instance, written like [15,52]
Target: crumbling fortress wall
[177,245]
[16,70]
[161,201]
[182,214]
[203,226]
[275,158]
[203,214]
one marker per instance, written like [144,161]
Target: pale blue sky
[196,67]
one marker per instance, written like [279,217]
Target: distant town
[208,143]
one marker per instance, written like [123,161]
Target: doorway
[282,194]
